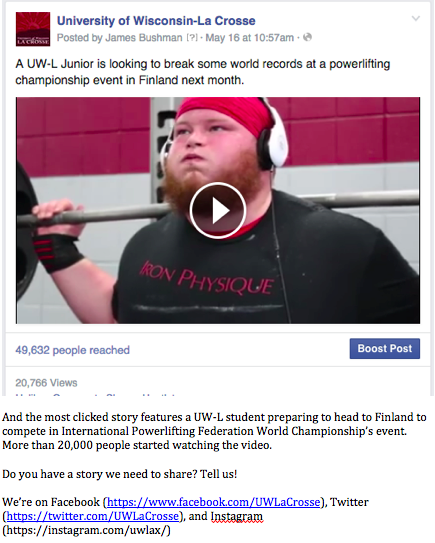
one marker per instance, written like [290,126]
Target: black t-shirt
[334,269]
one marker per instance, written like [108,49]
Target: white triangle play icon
[219,210]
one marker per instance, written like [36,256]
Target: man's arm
[390,291]
[88,291]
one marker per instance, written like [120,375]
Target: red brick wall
[83,136]
[350,130]
[90,136]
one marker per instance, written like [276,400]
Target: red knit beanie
[249,112]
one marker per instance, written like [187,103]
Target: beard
[244,175]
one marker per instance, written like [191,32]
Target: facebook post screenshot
[223,308]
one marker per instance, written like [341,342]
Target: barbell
[26,222]
[155,211]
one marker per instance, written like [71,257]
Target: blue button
[385,348]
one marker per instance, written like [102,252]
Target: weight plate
[26,259]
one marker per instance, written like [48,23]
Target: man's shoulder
[166,224]
[324,230]
[314,216]
[153,233]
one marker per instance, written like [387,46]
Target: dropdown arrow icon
[415,18]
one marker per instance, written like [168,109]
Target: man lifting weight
[291,260]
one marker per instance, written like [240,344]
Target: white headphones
[272,145]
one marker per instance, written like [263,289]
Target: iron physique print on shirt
[187,278]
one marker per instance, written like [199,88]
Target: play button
[217,210]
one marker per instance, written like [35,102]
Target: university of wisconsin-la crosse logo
[33,29]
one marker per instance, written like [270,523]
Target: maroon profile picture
[33,29]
